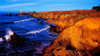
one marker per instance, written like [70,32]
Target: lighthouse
[21,10]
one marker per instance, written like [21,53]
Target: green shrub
[79,18]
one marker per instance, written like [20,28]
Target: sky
[46,5]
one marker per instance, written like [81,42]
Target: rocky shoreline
[79,32]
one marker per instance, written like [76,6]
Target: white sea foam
[38,31]
[1,40]
[9,32]
[23,20]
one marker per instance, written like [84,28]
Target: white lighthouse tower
[21,10]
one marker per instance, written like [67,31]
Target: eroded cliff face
[66,19]
[82,39]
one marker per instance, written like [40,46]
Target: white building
[21,10]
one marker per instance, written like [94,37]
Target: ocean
[30,28]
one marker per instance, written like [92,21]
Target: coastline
[79,32]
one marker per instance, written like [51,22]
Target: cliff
[82,39]
[79,32]
[66,19]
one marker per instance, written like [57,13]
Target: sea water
[37,35]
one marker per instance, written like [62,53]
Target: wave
[23,20]
[7,37]
[38,31]
[16,21]
[1,40]
[9,32]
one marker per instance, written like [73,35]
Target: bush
[79,18]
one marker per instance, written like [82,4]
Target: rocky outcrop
[26,13]
[82,39]
[12,38]
[66,19]
[96,8]
[9,14]
[17,38]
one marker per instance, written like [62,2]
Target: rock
[38,44]
[38,19]
[14,38]
[2,48]
[38,54]
[6,23]
[9,14]
[41,22]
[33,12]
[25,13]
[15,15]
[53,28]
[82,39]
[96,8]
[17,38]
[78,32]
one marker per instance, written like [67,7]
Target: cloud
[61,5]
[15,0]
[15,5]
